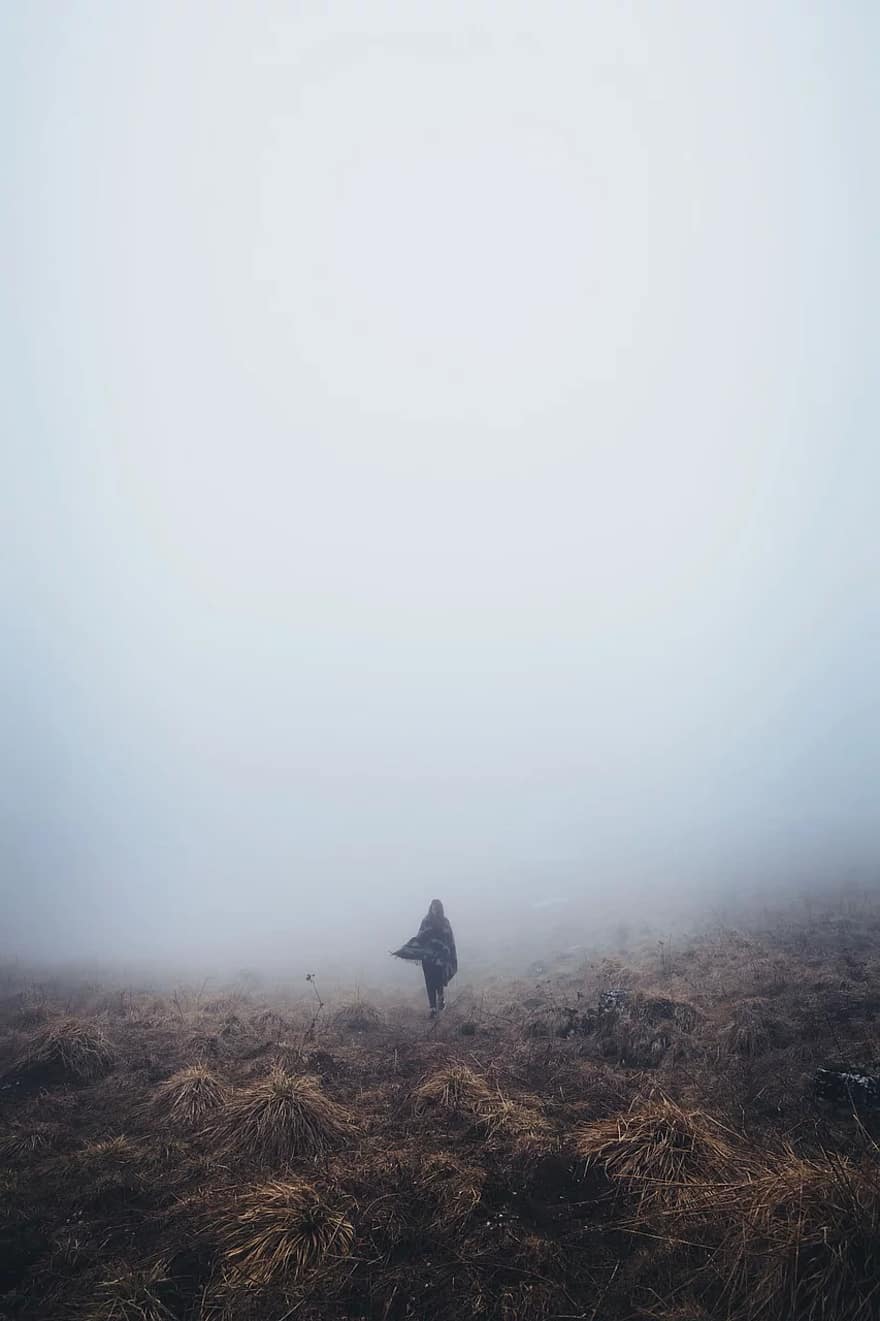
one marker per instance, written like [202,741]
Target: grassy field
[544,1150]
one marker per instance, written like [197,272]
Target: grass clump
[752,1030]
[358,1016]
[66,1051]
[457,1091]
[280,1118]
[461,1094]
[452,1187]
[25,1141]
[806,1246]
[663,1153]
[282,1230]
[189,1095]
[108,1153]
[131,1295]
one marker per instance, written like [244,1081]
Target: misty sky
[441,456]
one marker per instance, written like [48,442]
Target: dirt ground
[635,1137]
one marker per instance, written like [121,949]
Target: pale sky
[441,457]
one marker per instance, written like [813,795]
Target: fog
[441,458]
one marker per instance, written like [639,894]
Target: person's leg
[430,987]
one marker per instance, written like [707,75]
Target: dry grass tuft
[67,1051]
[464,1095]
[280,1118]
[280,1229]
[105,1156]
[22,1142]
[806,1241]
[664,1154]
[189,1095]
[460,1093]
[452,1187]
[131,1295]
[358,1016]
[752,1031]
[455,1090]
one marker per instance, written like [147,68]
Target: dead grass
[505,1177]
[357,1016]
[452,1187]
[663,1154]
[456,1091]
[130,1295]
[66,1051]
[24,1141]
[106,1153]
[804,1242]
[281,1229]
[281,1118]
[752,1030]
[189,1095]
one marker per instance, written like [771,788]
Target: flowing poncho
[435,943]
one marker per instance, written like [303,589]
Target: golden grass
[281,1118]
[282,1229]
[804,1243]
[66,1051]
[455,1090]
[189,1095]
[662,1152]
[458,1092]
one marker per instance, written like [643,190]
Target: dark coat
[439,937]
[435,944]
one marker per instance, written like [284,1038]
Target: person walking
[434,947]
[441,964]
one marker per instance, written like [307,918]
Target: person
[441,964]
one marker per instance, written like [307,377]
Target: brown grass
[281,1118]
[661,1152]
[66,1051]
[130,1295]
[455,1090]
[106,1153]
[277,1230]
[452,1187]
[458,1093]
[357,1016]
[189,1095]
[751,1031]
[462,1191]
[805,1240]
